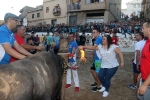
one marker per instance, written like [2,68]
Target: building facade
[23,15]
[55,11]
[134,8]
[35,17]
[146,8]
[85,11]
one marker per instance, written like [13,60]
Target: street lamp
[12,9]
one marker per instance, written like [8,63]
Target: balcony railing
[74,7]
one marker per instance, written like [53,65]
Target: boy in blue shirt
[72,62]
[95,68]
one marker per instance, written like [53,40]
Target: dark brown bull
[34,78]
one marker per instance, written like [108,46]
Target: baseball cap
[10,15]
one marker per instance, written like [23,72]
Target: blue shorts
[134,69]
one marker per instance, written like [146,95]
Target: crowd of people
[129,27]
[124,27]
[20,45]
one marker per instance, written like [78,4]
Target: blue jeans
[105,75]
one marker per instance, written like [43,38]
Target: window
[94,1]
[88,1]
[134,6]
[74,1]
[94,14]
[72,20]
[32,15]
[54,22]
[101,0]
[47,9]
[38,15]
[139,5]
[100,20]
[139,12]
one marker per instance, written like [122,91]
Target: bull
[39,77]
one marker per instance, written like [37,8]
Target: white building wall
[25,21]
[133,6]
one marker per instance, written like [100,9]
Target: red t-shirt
[114,40]
[145,61]
[20,41]
[37,39]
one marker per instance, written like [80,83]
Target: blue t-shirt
[72,45]
[6,37]
[97,42]
[49,40]
[57,41]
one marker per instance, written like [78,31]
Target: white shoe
[102,89]
[101,86]
[105,94]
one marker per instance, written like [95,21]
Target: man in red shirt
[114,39]
[144,89]
[37,39]
[19,36]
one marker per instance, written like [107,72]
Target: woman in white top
[109,63]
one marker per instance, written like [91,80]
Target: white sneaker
[101,86]
[105,94]
[102,89]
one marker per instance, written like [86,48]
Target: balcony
[92,6]
[74,7]
[86,6]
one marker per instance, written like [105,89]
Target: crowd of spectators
[119,27]
[132,26]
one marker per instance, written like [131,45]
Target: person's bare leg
[135,79]
[94,75]
[98,81]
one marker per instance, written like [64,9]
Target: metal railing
[74,7]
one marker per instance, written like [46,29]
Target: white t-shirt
[139,46]
[108,56]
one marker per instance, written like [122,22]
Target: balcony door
[72,20]
[54,22]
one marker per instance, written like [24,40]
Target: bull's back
[15,84]
[46,71]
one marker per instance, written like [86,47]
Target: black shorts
[56,51]
[93,66]
[134,69]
